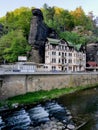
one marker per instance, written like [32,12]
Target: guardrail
[7,72]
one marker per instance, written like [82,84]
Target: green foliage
[80,18]
[42,95]
[33,97]
[57,17]
[13,45]
[18,19]
[16,30]
[73,37]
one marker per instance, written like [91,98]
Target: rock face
[92,52]
[38,34]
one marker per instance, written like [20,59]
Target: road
[3,72]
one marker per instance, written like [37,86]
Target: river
[83,106]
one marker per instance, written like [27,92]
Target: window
[65,48]
[45,66]
[59,61]
[53,60]
[53,67]
[59,53]
[53,53]
[70,61]
[53,47]
[63,54]
[62,61]
[70,54]
[60,47]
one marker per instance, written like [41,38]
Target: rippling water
[84,106]
[22,119]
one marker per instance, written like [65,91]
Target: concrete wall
[12,85]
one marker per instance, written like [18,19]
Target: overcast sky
[87,5]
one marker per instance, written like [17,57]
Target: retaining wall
[13,85]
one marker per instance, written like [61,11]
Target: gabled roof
[76,46]
[70,44]
[53,41]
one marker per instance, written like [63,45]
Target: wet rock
[69,117]
[2,124]
[68,112]
[15,105]
[70,126]
[37,128]
[54,129]
[59,127]
[14,120]
[59,123]
[51,116]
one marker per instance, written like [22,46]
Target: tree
[73,37]
[63,19]
[18,19]
[14,44]
[80,18]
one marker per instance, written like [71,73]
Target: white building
[25,67]
[20,67]
[62,56]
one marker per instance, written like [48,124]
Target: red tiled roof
[92,63]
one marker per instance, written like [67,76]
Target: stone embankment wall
[12,85]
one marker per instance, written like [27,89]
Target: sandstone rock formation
[92,52]
[38,34]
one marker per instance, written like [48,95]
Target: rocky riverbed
[50,116]
[54,124]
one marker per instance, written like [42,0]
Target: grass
[34,97]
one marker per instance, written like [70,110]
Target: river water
[83,106]
[37,116]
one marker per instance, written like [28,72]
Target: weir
[13,84]
[45,116]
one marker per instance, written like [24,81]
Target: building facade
[61,56]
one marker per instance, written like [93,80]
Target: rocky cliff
[92,52]
[38,34]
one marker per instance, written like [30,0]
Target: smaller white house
[25,67]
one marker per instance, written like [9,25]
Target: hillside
[74,26]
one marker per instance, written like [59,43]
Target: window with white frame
[59,61]
[53,60]
[53,67]
[53,53]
